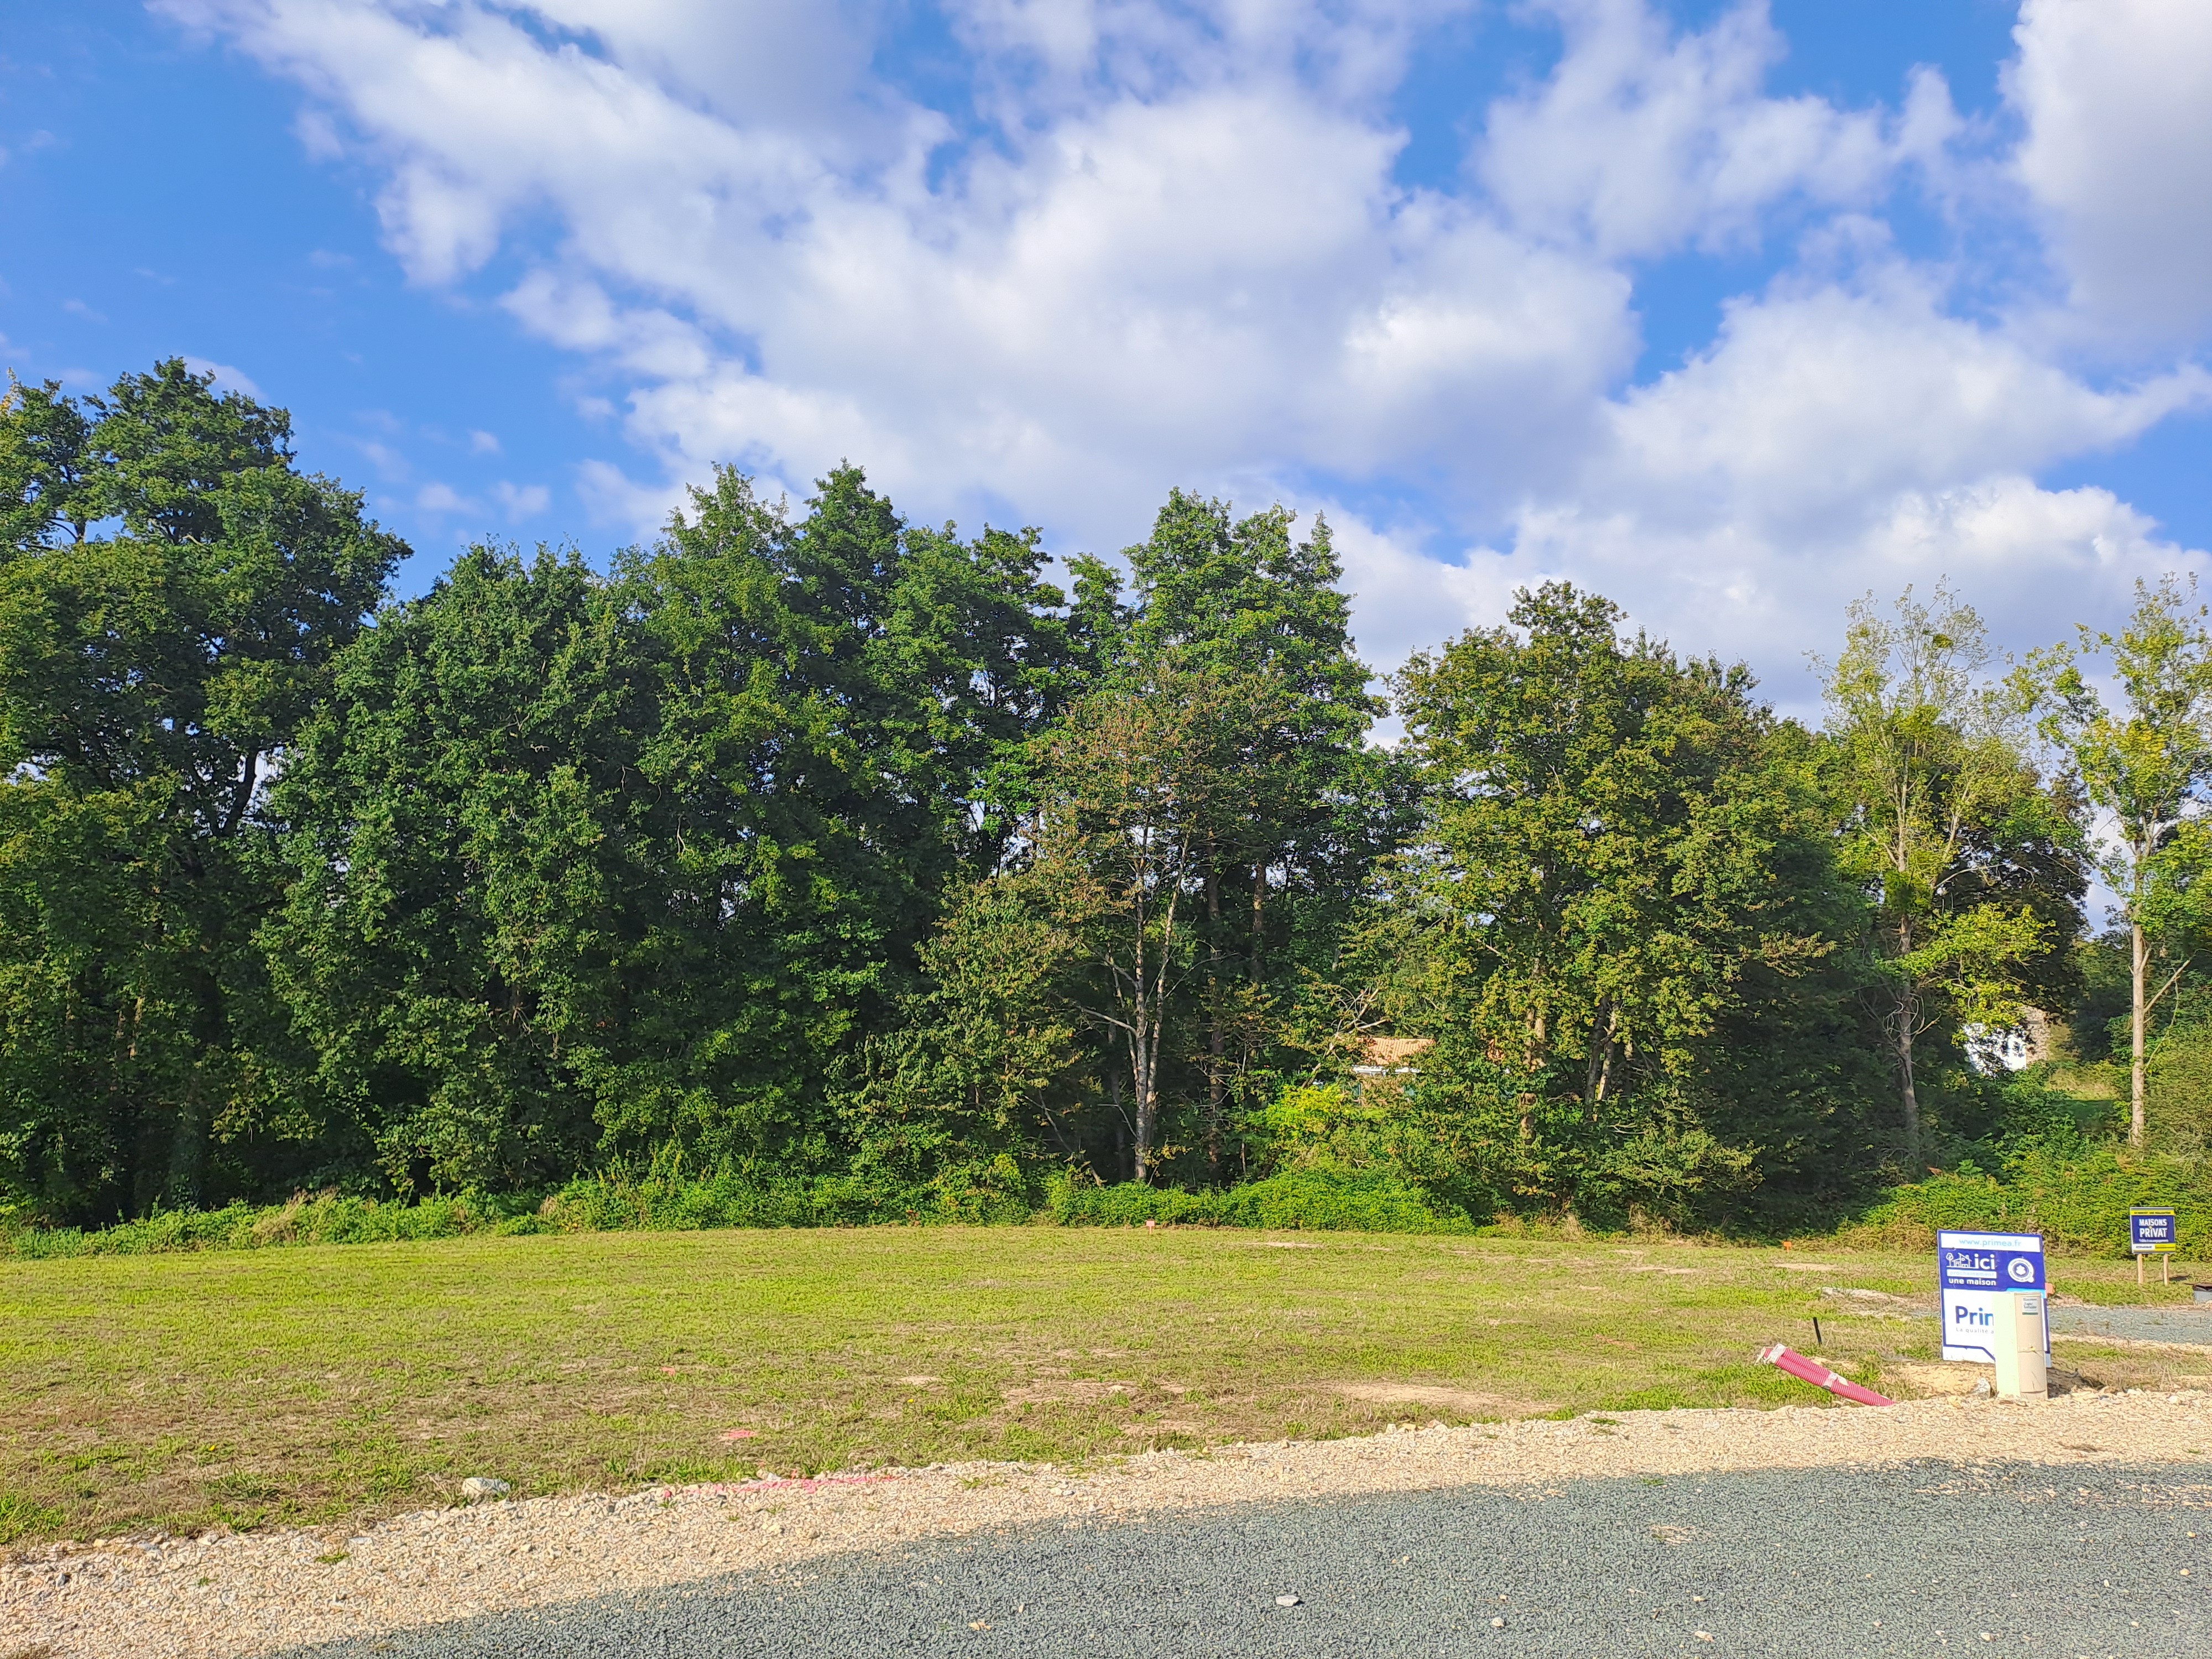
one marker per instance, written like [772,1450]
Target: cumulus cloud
[435,497]
[1147,243]
[1643,141]
[2119,156]
[227,379]
[520,501]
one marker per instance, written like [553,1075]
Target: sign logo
[1974,1271]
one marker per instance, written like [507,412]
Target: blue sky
[1732,311]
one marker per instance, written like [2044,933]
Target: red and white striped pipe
[1819,1376]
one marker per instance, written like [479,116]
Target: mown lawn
[332,1383]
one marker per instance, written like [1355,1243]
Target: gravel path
[2186,1326]
[1918,1560]
[219,1597]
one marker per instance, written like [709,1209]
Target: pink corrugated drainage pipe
[1819,1376]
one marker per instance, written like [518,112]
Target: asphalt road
[2186,1322]
[1921,1560]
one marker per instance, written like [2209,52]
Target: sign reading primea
[1974,1270]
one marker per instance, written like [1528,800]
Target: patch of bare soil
[1912,1379]
[225,1597]
[1460,1402]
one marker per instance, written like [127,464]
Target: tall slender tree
[1134,787]
[1243,598]
[2146,763]
[1937,801]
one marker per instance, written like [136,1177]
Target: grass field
[332,1383]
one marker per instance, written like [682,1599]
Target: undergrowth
[1362,1200]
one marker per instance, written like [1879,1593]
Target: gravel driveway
[1919,1560]
[1782,1510]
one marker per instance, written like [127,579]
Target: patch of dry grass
[332,1383]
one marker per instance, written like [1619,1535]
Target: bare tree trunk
[2139,963]
[1904,1019]
[1140,1074]
[1144,1080]
[1120,1117]
[1600,1058]
[1259,912]
[1216,1048]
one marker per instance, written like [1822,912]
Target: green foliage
[982,1061]
[1626,870]
[1312,1198]
[1971,867]
[809,866]
[2147,764]
[982,1192]
[2178,1096]
[2076,1195]
[588,868]
[173,595]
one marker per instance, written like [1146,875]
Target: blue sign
[1991,1261]
[1975,1269]
[2151,1232]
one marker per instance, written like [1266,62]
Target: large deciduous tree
[1136,787]
[1611,853]
[593,867]
[1244,602]
[172,592]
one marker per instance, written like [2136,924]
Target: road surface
[1925,1559]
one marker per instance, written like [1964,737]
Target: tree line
[812,843]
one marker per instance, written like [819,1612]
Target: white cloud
[520,501]
[435,497]
[1178,252]
[227,379]
[1643,141]
[482,443]
[2119,154]
[1830,399]
[615,501]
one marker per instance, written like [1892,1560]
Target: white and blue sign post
[2151,1231]
[1975,1269]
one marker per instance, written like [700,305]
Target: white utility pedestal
[2017,1346]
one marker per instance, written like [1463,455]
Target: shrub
[1317,1199]
[2077,1195]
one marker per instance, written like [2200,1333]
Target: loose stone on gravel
[223,1596]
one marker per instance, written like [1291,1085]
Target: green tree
[471,853]
[595,868]
[1609,842]
[2146,763]
[1947,827]
[1134,787]
[984,1059]
[1281,866]
[173,592]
